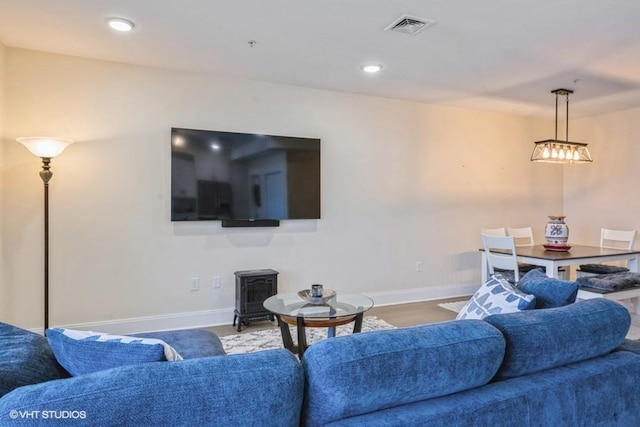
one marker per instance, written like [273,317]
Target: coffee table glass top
[343,304]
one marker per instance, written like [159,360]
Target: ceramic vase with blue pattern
[556,231]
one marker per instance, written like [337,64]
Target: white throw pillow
[496,296]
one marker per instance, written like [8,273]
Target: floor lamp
[45,148]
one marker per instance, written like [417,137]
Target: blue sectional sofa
[566,366]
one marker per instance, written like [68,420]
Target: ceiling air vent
[410,24]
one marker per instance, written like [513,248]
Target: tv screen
[248,177]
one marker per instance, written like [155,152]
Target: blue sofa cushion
[83,352]
[495,296]
[254,389]
[549,292]
[361,373]
[189,343]
[543,339]
[25,358]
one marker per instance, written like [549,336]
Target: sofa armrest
[25,358]
[262,388]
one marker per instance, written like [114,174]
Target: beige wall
[401,182]
[3,300]
[605,193]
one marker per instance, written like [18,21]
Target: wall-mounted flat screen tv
[243,179]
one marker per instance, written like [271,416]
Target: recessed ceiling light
[371,68]
[120,24]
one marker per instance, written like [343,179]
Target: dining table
[552,260]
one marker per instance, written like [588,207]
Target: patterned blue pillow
[83,352]
[496,296]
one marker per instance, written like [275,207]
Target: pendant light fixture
[556,151]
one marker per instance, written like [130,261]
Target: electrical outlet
[217,282]
[195,284]
[418,266]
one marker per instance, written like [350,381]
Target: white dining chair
[500,252]
[524,237]
[609,239]
[617,239]
[501,231]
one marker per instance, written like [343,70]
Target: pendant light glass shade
[557,151]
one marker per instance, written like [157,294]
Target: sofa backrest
[252,389]
[538,340]
[361,373]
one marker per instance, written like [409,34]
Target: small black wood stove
[252,288]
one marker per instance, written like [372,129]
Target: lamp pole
[46,148]
[46,175]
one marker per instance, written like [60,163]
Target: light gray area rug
[250,341]
[633,334]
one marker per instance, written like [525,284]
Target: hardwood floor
[416,313]
[411,314]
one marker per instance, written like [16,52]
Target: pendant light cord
[566,138]
[556,137]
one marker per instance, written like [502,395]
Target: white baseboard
[404,296]
[167,322]
[208,318]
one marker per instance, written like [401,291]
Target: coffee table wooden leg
[302,336]
[357,327]
[286,335]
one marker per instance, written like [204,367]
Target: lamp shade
[45,147]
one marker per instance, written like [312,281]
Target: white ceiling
[502,55]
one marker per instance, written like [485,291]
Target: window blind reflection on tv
[219,175]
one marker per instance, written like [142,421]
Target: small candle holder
[316,290]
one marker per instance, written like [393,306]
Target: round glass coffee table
[291,309]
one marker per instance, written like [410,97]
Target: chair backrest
[617,239]
[501,253]
[523,236]
[494,231]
